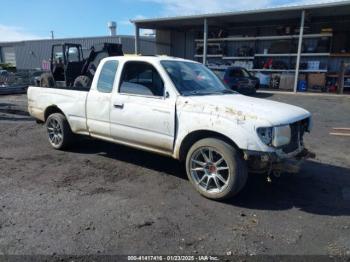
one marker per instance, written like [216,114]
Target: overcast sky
[23,20]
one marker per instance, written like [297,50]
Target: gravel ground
[100,198]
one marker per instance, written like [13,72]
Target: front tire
[58,131]
[215,169]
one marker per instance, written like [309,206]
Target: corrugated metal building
[26,55]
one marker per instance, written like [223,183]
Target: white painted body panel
[235,116]
[161,124]
[71,103]
[144,120]
[98,108]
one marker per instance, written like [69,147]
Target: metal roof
[337,8]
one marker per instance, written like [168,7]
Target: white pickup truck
[178,108]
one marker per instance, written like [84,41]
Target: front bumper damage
[276,163]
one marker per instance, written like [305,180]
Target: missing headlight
[281,136]
[265,134]
[275,136]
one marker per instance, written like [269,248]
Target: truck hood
[245,108]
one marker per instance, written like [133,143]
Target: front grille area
[297,133]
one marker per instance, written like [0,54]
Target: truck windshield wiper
[202,93]
[198,93]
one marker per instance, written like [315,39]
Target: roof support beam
[137,39]
[297,66]
[205,41]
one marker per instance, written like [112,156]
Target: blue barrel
[302,86]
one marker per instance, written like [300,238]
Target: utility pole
[52,35]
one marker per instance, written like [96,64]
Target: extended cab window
[141,78]
[107,76]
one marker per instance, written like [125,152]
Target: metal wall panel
[190,45]
[147,46]
[179,48]
[8,55]
[31,54]
[163,42]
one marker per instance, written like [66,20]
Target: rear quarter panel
[72,103]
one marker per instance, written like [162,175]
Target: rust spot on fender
[215,110]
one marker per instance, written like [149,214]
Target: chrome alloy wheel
[55,132]
[209,170]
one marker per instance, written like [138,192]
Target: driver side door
[142,114]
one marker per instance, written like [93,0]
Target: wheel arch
[197,135]
[52,110]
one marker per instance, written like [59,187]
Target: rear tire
[58,130]
[215,169]
[47,80]
[82,82]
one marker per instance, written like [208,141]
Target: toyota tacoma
[180,109]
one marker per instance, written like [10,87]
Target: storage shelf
[290,70]
[293,54]
[336,75]
[209,56]
[340,54]
[238,57]
[313,71]
[218,67]
[265,55]
[209,44]
[223,67]
[253,38]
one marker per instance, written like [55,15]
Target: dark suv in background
[238,79]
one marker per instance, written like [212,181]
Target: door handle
[119,106]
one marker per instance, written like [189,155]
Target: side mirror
[167,95]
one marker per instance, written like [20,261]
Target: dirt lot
[108,199]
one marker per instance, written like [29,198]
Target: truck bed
[70,101]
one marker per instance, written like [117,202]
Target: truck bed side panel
[71,102]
